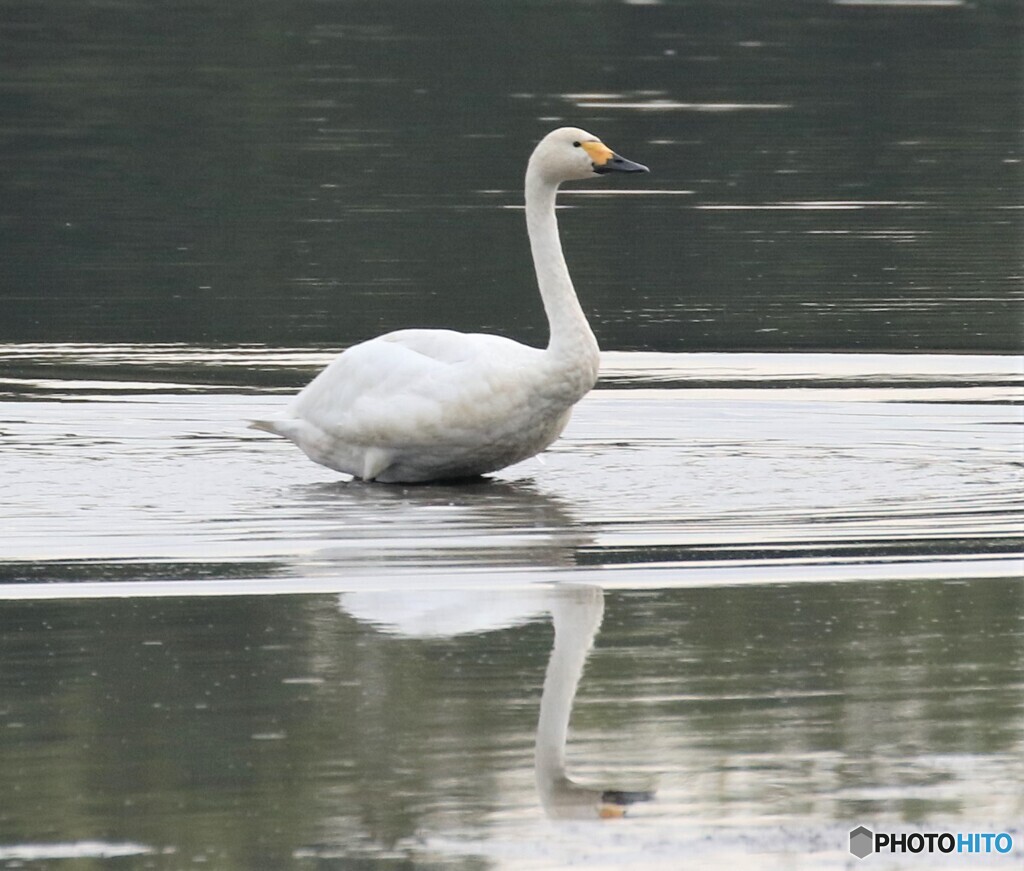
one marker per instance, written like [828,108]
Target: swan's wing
[449,346]
[415,386]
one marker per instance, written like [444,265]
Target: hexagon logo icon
[862,842]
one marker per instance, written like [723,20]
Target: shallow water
[683,462]
[809,568]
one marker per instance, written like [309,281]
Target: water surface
[800,574]
[842,176]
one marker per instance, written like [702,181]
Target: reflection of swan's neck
[572,342]
[576,616]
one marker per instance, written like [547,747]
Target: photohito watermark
[864,842]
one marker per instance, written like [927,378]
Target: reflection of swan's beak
[567,799]
[615,801]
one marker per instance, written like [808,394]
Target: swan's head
[569,154]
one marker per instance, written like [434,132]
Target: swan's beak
[615,163]
[605,160]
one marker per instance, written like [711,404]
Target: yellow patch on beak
[599,152]
[611,811]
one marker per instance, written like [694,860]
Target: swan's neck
[572,343]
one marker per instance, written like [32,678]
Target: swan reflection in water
[577,611]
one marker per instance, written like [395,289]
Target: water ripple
[681,469]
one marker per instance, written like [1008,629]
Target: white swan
[426,405]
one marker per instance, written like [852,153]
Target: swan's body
[423,405]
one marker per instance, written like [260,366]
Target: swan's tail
[284,428]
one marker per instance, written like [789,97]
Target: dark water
[793,573]
[840,175]
[296,733]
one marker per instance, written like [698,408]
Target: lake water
[768,586]
[217,654]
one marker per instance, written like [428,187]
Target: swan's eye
[576,145]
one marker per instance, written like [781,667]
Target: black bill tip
[616,163]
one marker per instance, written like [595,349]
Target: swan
[426,405]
